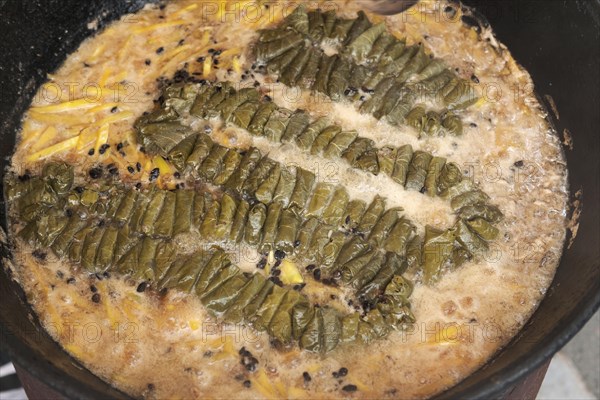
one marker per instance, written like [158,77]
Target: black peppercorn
[103,148]
[350,388]
[95,173]
[154,174]
[142,287]
[317,274]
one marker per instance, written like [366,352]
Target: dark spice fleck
[106,274]
[519,164]
[114,110]
[306,376]
[120,146]
[474,78]
[247,383]
[276,272]
[350,388]
[95,173]
[103,148]
[311,267]
[151,386]
[276,281]
[262,263]
[256,84]
[211,51]
[91,152]
[160,50]
[208,354]
[351,91]
[201,59]
[96,298]
[317,274]
[142,287]
[148,61]
[71,281]
[329,282]
[154,174]
[177,175]
[244,352]
[299,287]
[131,169]
[268,98]
[59,274]
[138,186]
[93,288]
[39,254]
[216,61]
[471,22]
[248,360]
[368,90]
[450,11]
[279,254]
[25,177]
[113,171]
[138,166]
[239,377]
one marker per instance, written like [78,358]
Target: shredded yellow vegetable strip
[66,106]
[184,10]
[102,137]
[54,149]
[159,26]
[118,117]
[44,138]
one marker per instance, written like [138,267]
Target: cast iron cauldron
[557,41]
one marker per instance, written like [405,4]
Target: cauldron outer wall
[557,41]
